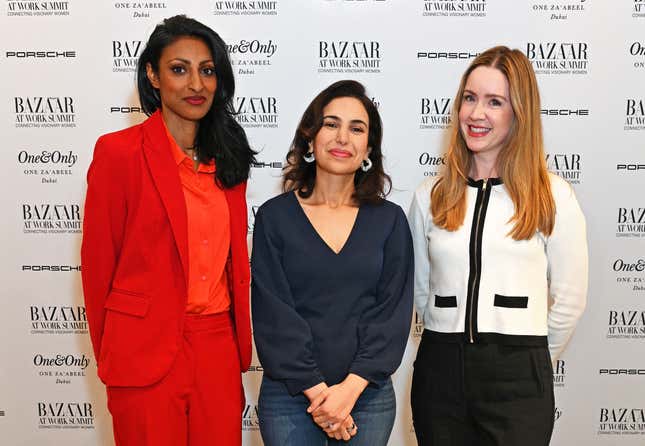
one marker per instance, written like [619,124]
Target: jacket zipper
[478,222]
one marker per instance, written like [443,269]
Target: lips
[339,153]
[478,132]
[195,100]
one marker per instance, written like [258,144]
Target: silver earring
[309,157]
[366,165]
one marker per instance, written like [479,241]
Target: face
[186,79]
[486,115]
[341,143]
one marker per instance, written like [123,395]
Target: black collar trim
[480,183]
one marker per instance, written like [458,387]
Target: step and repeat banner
[68,77]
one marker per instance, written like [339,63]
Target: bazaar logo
[347,56]
[435,113]
[634,114]
[417,326]
[621,420]
[256,111]
[22,8]
[65,415]
[627,324]
[44,111]
[559,373]
[454,8]
[565,165]
[46,218]
[125,55]
[245,7]
[630,222]
[250,420]
[639,8]
[55,319]
[558,57]
[253,211]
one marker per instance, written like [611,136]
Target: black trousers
[482,394]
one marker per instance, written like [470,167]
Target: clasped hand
[330,408]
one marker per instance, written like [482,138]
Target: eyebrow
[188,62]
[487,95]
[353,121]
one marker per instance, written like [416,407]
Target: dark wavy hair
[371,186]
[220,136]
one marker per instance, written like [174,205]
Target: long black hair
[220,136]
[371,186]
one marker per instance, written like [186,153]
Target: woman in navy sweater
[332,269]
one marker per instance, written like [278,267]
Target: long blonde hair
[521,163]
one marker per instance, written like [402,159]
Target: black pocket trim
[445,301]
[511,301]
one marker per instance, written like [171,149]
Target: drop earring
[309,157]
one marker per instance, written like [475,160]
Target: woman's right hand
[313,391]
[343,430]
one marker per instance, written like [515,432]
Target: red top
[209,234]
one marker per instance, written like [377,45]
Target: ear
[369,150]
[152,76]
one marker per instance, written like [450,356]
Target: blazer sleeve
[567,257]
[103,227]
[283,338]
[384,328]
[418,218]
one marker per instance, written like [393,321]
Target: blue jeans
[284,420]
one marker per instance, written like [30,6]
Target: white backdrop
[67,77]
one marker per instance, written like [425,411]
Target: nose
[195,83]
[478,112]
[342,135]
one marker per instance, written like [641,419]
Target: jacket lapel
[164,172]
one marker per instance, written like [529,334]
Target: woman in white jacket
[500,268]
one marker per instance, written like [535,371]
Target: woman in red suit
[165,263]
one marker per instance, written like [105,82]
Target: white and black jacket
[477,284]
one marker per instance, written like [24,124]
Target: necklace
[192,155]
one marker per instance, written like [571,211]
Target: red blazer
[135,257]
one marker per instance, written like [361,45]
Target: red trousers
[198,403]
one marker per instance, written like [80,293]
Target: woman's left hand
[333,405]
[344,431]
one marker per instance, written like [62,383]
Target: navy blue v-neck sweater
[318,315]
